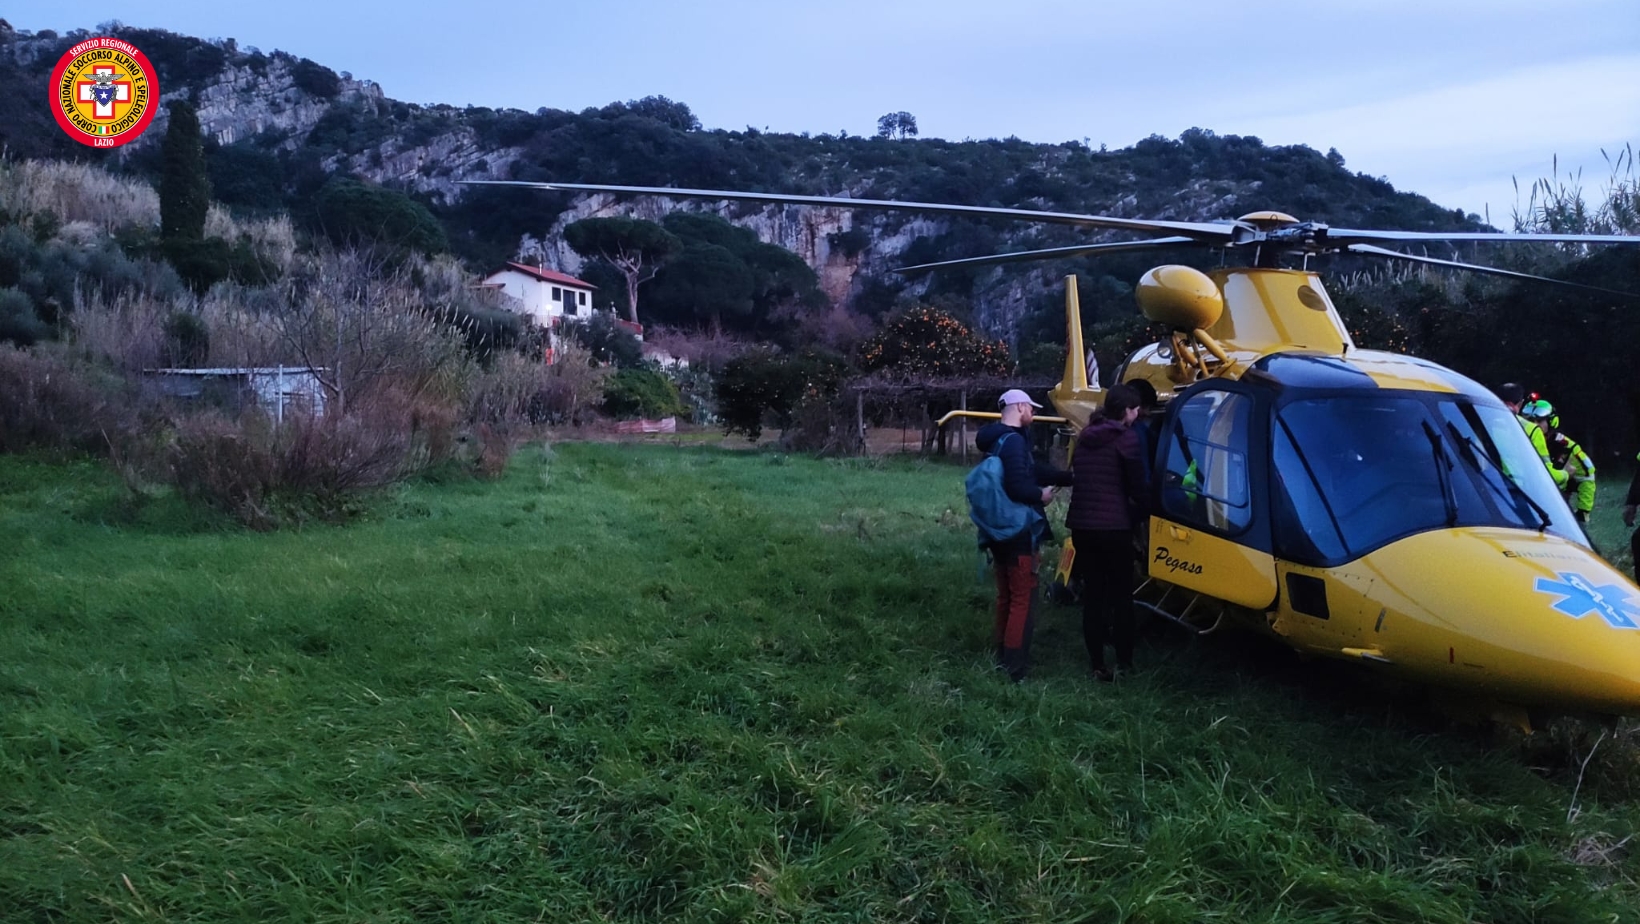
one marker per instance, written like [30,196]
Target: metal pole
[964,430]
[860,418]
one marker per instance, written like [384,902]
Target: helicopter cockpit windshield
[1355,472]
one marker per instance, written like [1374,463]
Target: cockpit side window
[1306,530]
[1204,462]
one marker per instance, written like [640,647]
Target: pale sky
[1447,98]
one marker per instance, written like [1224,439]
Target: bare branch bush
[50,400]
[125,332]
[365,328]
[243,332]
[221,463]
[520,389]
[309,466]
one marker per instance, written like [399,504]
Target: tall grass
[643,683]
[77,193]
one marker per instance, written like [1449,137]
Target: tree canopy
[897,125]
[635,247]
[350,213]
[725,276]
[184,189]
[926,342]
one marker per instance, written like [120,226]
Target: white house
[546,295]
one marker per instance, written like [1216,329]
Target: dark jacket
[1109,485]
[1022,477]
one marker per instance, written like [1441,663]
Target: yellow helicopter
[1353,504]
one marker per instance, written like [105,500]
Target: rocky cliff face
[241,103]
[804,231]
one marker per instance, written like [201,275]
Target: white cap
[1015,396]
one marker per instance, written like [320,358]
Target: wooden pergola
[957,392]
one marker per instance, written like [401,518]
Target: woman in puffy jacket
[1107,500]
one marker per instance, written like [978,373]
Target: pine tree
[184,190]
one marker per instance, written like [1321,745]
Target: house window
[557,294]
[583,298]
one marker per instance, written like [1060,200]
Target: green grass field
[647,682]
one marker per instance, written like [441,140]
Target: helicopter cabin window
[1354,473]
[1204,468]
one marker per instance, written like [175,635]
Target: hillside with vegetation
[328,159]
[280,128]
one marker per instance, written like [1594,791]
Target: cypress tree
[184,189]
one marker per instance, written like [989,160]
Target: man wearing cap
[1015,560]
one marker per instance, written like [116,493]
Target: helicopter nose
[1522,617]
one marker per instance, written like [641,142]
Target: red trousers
[1015,612]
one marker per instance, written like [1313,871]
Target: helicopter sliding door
[1211,532]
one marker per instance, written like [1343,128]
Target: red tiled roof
[547,275]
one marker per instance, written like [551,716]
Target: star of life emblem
[1579,597]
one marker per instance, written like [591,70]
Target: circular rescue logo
[104,92]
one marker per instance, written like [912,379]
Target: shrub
[642,393]
[126,331]
[606,340]
[214,460]
[316,79]
[187,341]
[18,322]
[763,385]
[353,214]
[367,329]
[49,402]
[928,342]
[574,387]
[519,389]
[308,467]
[505,390]
[271,241]
[242,328]
[201,262]
[495,447]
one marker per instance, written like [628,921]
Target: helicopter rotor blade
[1344,237]
[1198,230]
[1052,252]
[1370,250]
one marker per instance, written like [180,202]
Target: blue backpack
[998,516]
